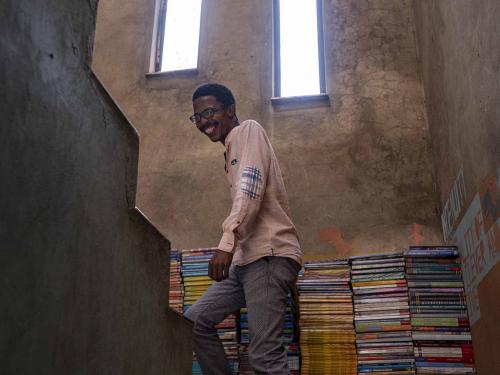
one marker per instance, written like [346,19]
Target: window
[178,34]
[299,67]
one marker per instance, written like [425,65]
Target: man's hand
[218,267]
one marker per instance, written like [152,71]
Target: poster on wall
[478,239]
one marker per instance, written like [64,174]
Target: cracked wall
[358,171]
[459,47]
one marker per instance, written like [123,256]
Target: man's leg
[266,283]
[220,300]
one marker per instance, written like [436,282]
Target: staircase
[83,273]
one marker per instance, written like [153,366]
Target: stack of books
[244,368]
[291,346]
[194,271]
[291,336]
[327,337]
[227,331]
[176,289]
[440,324]
[381,315]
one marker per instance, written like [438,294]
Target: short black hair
[220,92]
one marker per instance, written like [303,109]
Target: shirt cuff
[227,242]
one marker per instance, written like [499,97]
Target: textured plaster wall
[358,171]
[83,274]
[459,45]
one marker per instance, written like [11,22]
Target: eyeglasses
[207,114]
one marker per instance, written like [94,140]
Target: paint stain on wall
[334,237]
[416,236]
[490,201]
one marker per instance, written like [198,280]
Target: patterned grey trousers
[262,286]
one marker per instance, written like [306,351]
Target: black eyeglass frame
[207,114]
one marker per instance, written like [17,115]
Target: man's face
[218,121]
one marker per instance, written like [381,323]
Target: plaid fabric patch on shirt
[251,182]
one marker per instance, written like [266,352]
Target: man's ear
[231,110]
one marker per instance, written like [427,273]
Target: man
[258,257]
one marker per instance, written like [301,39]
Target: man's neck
[234,124]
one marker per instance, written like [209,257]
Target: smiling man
[258,257]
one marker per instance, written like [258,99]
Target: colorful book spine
[176,287]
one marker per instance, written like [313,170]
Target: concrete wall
[358,171]
[83,274]
[459,45]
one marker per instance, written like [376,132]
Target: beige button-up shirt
[259,223]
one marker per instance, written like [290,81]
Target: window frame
[277,52]
[160,32]
[158,41]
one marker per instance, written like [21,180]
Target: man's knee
[200,318]
[191,314]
